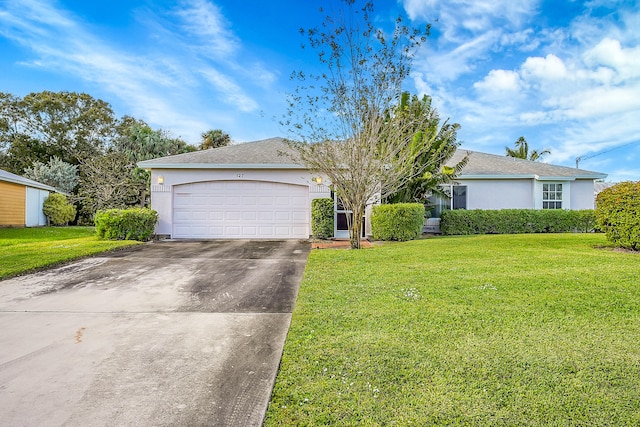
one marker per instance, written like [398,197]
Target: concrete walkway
[170,333]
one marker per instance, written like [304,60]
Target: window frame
[553,194]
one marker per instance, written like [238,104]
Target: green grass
[513,330]
[27,249]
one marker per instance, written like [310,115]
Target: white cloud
[548,68]
[195,54]
[609,53]
[232,92]
[499,81]
[455,18]
[204,20]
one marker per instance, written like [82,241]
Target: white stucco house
[255,191]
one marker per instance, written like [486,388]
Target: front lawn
[514,330]
[27,249]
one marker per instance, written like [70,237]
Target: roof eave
[146,165]
[532,176]
[28,184]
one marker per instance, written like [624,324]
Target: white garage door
[240,210]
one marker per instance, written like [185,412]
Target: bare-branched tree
[344,122]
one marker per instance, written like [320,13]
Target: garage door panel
[282,231]
[216,216]
[232,231]
[198,200]
[266,200]
[232,215]
[298,216]
[249,216]
[240,209]
[282,216]
[250,231]
[265,216]
[180,200]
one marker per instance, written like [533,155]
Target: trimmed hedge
[126,224]
[399,221]
[322,218]
[58,209]
[516,221]
[618,214]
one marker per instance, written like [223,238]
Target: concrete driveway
[170,333]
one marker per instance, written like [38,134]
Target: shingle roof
[484,165]
[17,179]
[275,153]
[267,153]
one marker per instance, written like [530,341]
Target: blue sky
[563,74]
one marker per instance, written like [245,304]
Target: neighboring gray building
[255,190]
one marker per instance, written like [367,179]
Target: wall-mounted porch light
[160,179]
[317,180]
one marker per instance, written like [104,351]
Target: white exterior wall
[582,194]
[33,209]
[525,193]
[493,194]
[162,195]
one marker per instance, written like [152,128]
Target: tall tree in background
[344,122]
[67,125]
[438,143]
[139,142]
[521,151]
[214,138]
[56,173]
[107,182]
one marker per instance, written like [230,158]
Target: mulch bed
[338,243]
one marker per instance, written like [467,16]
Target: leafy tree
[139,142]
[108,182]
[67,125]
[214,138]
[344,121]
[55,173]
[58,209]
[439,144]
[521,151]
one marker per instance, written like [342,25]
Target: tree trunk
[355,231]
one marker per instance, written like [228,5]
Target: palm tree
[522,151]
[214,138]
[435,145]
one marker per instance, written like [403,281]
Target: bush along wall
[618,214]
[322,218]
[126,224]
[399,221]
[58,209]
[516,221]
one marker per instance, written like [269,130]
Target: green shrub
[516,221]
[400,221]
[126,224]
[322,218]
[618,214]
[58,209]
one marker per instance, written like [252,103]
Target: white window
[551,196]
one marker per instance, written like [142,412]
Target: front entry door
[341,227]
[340,218]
